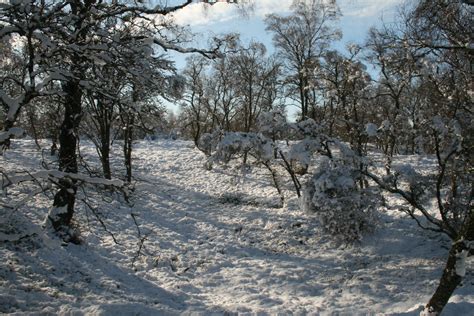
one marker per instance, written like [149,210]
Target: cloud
[264,7]
[201,14]
[367,8]
[198,14]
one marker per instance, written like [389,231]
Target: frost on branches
[273,124]
[254,144]
[337,191]
[208,142]
[344,209]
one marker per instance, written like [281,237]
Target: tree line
[407,90]
[96,69]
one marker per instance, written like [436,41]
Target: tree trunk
[31,119]
[127,147]
[197,131]
[304,109]
[454,270]
[54,148]
[292,174]
[127,116]
[105,160]
[5,144]
[276,183]
[60,215]
[105,143]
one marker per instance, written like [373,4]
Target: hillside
[207,241]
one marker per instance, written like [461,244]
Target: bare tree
[256,83]
[63,40]
[195,99]
[301,38]
[435,40]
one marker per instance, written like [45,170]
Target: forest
[111,203]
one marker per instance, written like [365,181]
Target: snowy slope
[213,242]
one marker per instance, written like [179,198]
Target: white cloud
[198,14]
[367,8]
[264,7]
[201,14]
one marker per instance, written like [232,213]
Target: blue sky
[357,17]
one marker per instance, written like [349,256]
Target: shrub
[344,206]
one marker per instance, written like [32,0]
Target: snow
[45,174]
[14,131]
[6,29]
[461,263]
[303,151]
[12,104]
[371,129]
[214,243]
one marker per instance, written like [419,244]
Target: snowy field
[209,242]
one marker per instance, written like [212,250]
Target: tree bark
[6,126]
[105,117]
[105,160]
[60,215]
[127,147]
[128,119]
[31,119]
[304,108]
[454,271]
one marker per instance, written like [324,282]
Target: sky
[357,17]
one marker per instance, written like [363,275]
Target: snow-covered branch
[56,175]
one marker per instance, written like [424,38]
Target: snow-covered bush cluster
[273,124]
[336,191]
[301,153]
[73,70]
[208,142]
[344,209]
[235,143]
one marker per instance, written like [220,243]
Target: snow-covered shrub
[311,140]
[309,128]
[273,124]
[207,143]
[344,209]
[300,154]
[235,143]
[255,145]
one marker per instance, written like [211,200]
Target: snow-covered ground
[213,242]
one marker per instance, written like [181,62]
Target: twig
[99,219]
[141,243]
